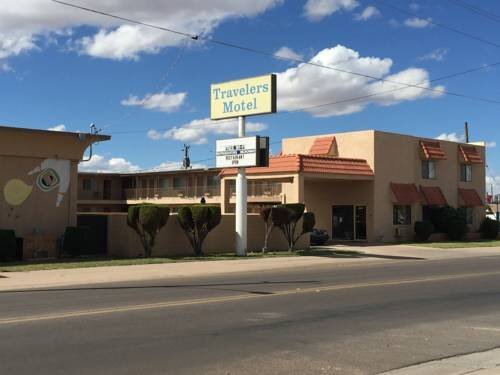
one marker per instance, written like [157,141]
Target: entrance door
[343,222]
[360,222]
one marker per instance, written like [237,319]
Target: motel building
[362,186]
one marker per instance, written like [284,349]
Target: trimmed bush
[197,221]
[274,217]
[7,245]
[456,229]
[489,229]
[423,230]
[147,220]
[289,226]
[77,240]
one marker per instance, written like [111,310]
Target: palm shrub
[147,220]
[197,221]
[489,228]
[274,217]
[289,227]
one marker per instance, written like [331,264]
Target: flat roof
[99,137]
[148,172]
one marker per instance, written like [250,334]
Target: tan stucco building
[365,185]
[38,182]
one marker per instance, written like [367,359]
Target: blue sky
[61,66]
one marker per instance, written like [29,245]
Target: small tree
[489,229]
[274,217]
[197,221]
[289,228]
[147,220]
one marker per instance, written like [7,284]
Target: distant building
[365,185]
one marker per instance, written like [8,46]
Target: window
[465,172]
[402,215]
[179,182]
[87,184]
[213,180]
[163,182]
[428,169]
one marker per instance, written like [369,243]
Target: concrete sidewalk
[99,275]
[482,363]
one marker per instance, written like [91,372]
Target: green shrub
[197,221]
[456,229]
[147,220]
[78,240]
[274,217]
[423,230]
[489,229]
[7,245]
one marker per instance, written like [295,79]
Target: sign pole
[241,201]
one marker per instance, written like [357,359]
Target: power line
[441,25]
[257,51]
[356,98]
[477,10]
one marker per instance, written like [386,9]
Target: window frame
[86,187]
[428,172]
[407,219]
[465,172]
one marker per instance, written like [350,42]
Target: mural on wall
[51,174]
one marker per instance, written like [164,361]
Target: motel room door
[349,222]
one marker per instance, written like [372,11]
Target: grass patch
[458,245]
[87,262]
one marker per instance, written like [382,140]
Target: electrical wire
[269,54]
[475,9]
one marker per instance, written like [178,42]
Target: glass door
[343,222]
[360,222]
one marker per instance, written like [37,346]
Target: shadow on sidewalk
[331,252]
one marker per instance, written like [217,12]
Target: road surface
[332,319]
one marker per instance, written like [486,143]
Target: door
[343,222]
[360,222]
[98,225]
[106,190]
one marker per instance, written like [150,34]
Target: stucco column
[223,195]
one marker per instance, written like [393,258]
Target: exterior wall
[96,193]
[38,185]
[171,241]
[398,159]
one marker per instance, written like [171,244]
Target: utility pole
[466,132]
[186,162]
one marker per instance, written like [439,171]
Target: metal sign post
[241,201]
[238,99]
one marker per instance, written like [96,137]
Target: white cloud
[491,144]
[306,85]
[197,131]
[437,55]
[99,163]
[58,128]
[367,13]
[288,53]
[161,101]
[453,137]
[25,24]
[417,23]
[175,165]
[315,10]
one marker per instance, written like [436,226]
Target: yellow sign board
[244,97]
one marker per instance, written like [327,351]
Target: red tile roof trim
[432,150]
[433,195]
[470,197]
[322,146]
[309,164]
[470,154]
[406,193]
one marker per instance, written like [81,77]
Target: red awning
[470,154]
[406,193]
[433,195]
[432,150]
[470,197]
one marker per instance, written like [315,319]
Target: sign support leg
[241,201]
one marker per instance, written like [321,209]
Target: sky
[63,68]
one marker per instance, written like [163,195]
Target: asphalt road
[356,319]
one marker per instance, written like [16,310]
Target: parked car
[319,237]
